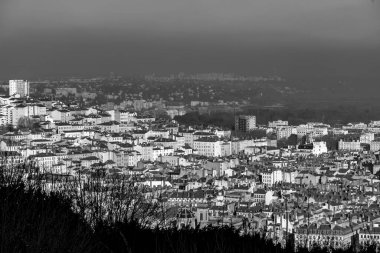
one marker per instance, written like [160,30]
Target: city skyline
[190,126]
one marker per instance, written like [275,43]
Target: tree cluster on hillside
[36,220]
[295,116]
[292,140]
[32,221]
[223,119]
[28,123]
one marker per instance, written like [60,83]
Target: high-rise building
[245,123]
[19,87]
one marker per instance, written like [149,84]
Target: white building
[289,176]
[241,145]
[278,123]
[45,161]
[6,114]
[319,131]
[285,131]
[374,146]
[146,151]
[189,137]
[270,196]
[313,129]
[158,152]
[156,183]
[367,138]
[27,110]
[61,115]
[319,148]
[374,123]
[208,146]
[271,177]
[359,126]
[175,112]
[127,158]
[19,87]
[124,116]
[339,131]
[157,134]
[351,145]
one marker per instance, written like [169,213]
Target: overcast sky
[41,38]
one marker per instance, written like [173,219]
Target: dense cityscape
[312,184]
[177,126]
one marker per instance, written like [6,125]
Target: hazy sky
[41,38]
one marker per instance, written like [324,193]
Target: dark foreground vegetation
[35,221]
[32,221]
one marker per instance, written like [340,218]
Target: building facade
[19,87]
[245,123]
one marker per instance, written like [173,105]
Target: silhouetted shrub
[33,221]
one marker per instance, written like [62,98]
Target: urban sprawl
[308,190]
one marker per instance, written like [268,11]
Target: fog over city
[294,38]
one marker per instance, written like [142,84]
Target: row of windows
[318,236]
[370,236]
